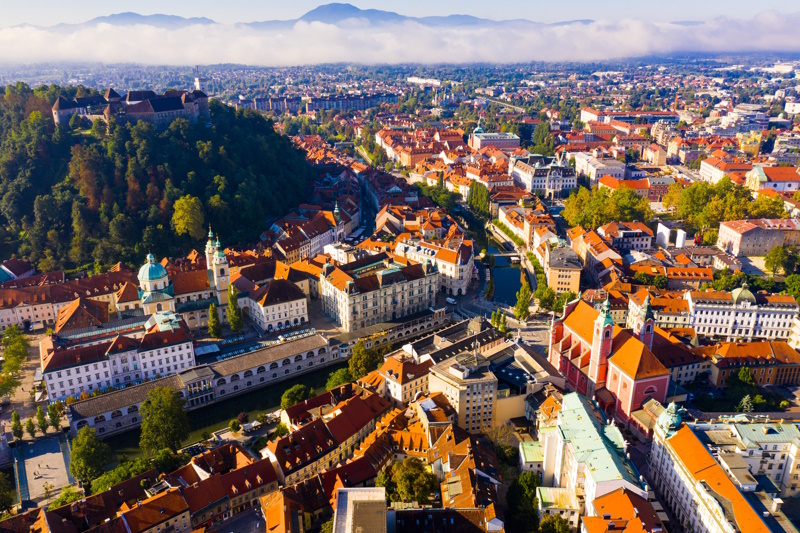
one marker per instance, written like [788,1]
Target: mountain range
[335,13]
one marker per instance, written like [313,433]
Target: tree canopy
[164,461]
[15,351]
[408,481]
[522,308]
[478,198]
[522,502]
[164,422]
[702,205]
[235,316]
[338,378]
[599,206]
[214,327]
[363,361]
[89,455]
[553,523]
[68,495]
[781,258]
[6,493]
[293,395]
[69,200]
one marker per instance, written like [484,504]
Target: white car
[451,301]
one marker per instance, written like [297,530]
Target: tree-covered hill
[72,197]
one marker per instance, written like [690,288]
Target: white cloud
[358,42]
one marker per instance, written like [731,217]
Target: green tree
[775,259]
[643,278]
[384,480]
[744,378]
[327,527]
[54,416]
[15,352]
[125,470]
[280,431]
[41,420]
[164,422]
[363,361]
[234,426]
[522,307]
[759,403]
[89,455]
[338,378]
[412,481]
[562,299]
[553,523]
[188,217]
[30,427]
[791,260]
[548,299]
[503,326]
[234,312]
[16,425]
[542,139]
[293,395]
[7,493]
[792,283]
[75,122]
[68,495]
[522,502]
[660,281]
[214,327]
[710,237]
[167,461]
[746,405]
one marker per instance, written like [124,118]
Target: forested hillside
[70,198]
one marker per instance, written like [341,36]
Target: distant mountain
[130,19]
[335,13]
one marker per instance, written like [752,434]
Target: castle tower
[602,339]
[200,82]
[644,324]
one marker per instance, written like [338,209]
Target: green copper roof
[598,445]
[531,451]
[152,270]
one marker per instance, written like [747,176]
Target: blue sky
[47,12]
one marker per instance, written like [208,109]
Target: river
[506,277]
[219,415]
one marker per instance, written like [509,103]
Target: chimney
[776,505]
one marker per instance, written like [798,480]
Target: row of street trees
[43,421]
[15,351]
[235,316]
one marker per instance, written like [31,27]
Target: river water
[219,415]
[506,277]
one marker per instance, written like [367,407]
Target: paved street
[21,401]
[244,522]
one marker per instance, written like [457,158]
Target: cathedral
[186,293]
